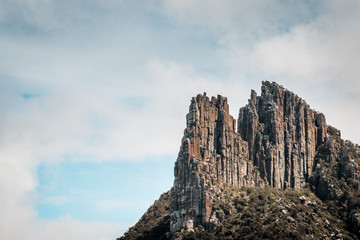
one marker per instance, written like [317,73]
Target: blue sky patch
[29,95]
[111,192]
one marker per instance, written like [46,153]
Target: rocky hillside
[269,213]
[278,143]
[154,224]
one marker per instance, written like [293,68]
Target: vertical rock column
[283,133]
[212,154]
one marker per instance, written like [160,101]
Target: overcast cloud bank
[112,81]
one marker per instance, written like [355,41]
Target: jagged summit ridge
[275,144]
[283,133]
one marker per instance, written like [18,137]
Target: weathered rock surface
[283,133]
[276,143]
[212,154]
[336,178]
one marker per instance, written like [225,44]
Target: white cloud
[88,123]
[63,228]
[99,54]
[323,49]
[52,15]
[320,59]
[249,19]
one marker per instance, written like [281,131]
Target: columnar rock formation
[283,133]
[211,154]
[278,141]
[275,144]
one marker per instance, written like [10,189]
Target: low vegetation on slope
[254,213]
[154,224]
[250,213]
[268,213]
[336,179]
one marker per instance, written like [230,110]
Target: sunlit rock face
[275,143]
[212,154]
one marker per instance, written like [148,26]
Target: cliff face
[212,154]
[278,143]
[283,133]
[275,144]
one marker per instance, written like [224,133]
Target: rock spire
[211,154]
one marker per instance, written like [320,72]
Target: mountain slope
[269,213]
[250,213]
[154,224]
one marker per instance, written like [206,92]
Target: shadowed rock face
[275,144]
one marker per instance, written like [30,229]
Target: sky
[94,93]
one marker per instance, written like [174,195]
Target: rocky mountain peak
[277,143]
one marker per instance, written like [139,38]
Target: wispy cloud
[63,228]
[57,200]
